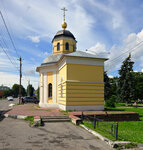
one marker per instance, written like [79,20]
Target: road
[17,135]
[4,104]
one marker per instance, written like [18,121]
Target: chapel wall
[84,85]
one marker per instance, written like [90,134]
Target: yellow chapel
[71,79]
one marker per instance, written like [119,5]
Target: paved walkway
[17,135]
[34,110]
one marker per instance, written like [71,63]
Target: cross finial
[64,9]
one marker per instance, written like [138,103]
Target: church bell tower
[64,41]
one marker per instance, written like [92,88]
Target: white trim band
[82,107]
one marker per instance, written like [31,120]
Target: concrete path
[17,135]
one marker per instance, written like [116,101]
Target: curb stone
[109,142]
[37,119]
[14,116]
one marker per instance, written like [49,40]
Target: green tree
[107,86]
[126,88]
[7,93]
[30,90]
[15,89]
[138,79]
[113,82]
[38,92]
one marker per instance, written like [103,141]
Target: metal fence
[111,128]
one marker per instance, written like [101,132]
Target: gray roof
[63,33]
[84,54]
[52,59]
[55,58]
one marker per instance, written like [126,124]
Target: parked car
[10,98]
[30,100]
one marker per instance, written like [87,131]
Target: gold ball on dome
[64,25]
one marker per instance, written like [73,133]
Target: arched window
[67,46]
[49,90]
[58,46]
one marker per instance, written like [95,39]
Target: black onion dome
[63,33]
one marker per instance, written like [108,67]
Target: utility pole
[28,91]
[20,76]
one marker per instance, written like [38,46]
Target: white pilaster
[57,87]
[41,88]
[45,88]
[54,87]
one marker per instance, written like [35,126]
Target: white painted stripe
[82,89]
[82,107]
[85,93]
[81,97]
[75,81]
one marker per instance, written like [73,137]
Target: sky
[112,28]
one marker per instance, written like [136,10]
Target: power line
[8,57]
[9,34]
[130,50]
[7,47]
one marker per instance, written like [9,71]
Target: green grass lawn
[2,98]
[119,104]
[30,118]
[128,130]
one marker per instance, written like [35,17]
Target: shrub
[111,102]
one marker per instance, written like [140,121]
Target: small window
[58,46]
[67,46]
[49,90]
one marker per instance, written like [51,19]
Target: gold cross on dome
[64,9]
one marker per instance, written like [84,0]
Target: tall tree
[126,88]
[15,89]
[107,86]
[38,93]
[30,90]
[113,83]
[7,93]
[138,78]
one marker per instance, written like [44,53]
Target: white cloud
[110,76]
[35,39]
[141,70]
[98,48]
[113,16]
[10,79]
[8,64]
[133,44]
[43,54]
[30,72]
[9,75]
[35,19]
